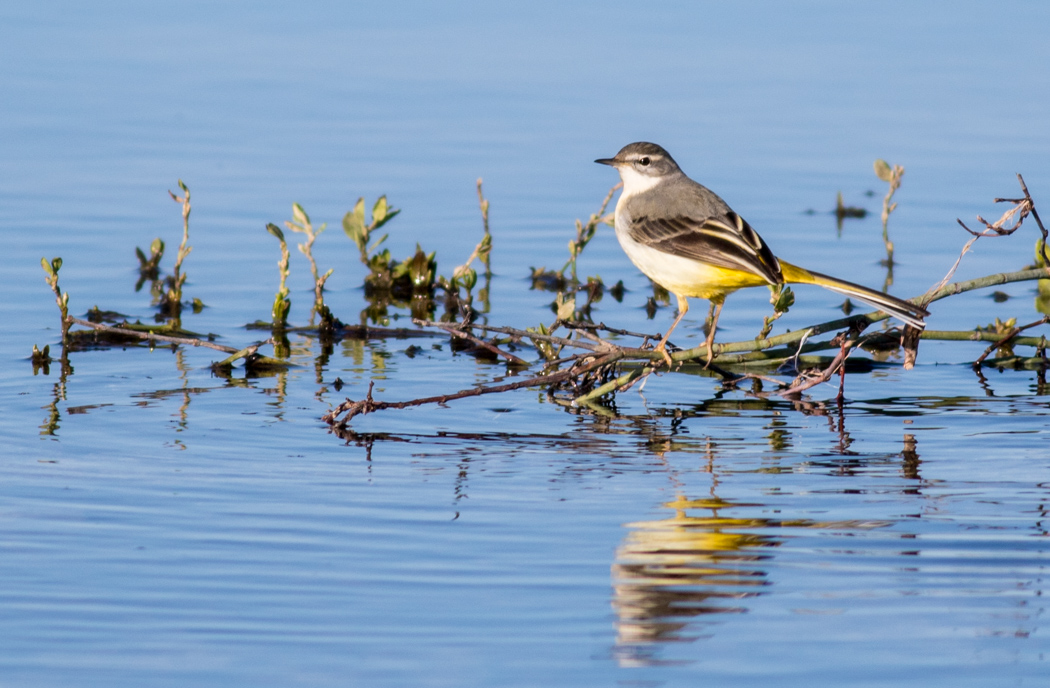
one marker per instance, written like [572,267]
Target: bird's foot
[710,352]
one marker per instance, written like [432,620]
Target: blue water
[163,526]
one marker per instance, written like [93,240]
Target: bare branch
[348,409]
[151,336]
[1009,335]
[460,332]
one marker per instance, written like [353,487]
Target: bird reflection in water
[674,578]
[671,574]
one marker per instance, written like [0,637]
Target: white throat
[635,183]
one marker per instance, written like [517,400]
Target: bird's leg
[712,325]
[683,308]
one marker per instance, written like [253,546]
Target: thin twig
[188,341]
[986,281]
[804,382]
[951,271]
[519,334]
[975,336]
[361,331]
[463,334]
[1010,335]
[581,325]
[619,384]
[1022,208]
[235,354]
[1035,216]
[348,409]
[484,205]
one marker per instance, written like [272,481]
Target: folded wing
[726,242]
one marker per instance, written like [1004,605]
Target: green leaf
[275,230]
[883,171]
[56,264]
[468,278]
[157,246]
[377,243]
[539,329]
[421,268]
[280,309]
[566,309]
[47,267]
[785,301]
[1039,248]
[299,215]
[354,224]
[379,211]
[390,213]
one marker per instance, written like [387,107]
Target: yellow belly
[687,277]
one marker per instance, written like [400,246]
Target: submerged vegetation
[570,359]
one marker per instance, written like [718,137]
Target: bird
[686,239]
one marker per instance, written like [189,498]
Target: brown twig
[518,335]
[1035,216]
[1009,335]
[1022,208]
[925,299]
[581,325]
[463,334]
[248,353]
[348,409]
[804,382]
[188,341]
[356,331]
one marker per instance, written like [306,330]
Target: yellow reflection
[670,571]
[674,576]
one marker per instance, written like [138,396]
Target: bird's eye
[644,162]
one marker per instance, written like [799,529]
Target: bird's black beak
[607,161]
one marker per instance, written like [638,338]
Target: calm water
[162,526]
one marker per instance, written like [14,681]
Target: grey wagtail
[689,241]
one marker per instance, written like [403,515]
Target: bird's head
[642,165]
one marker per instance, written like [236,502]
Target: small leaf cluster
[300,223]
[891,175]
[1002,328]
[149,267]
[361,233]
[282,304]
[51,268]
[782,298]
[171,303]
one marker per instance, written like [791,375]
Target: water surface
[163,526]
